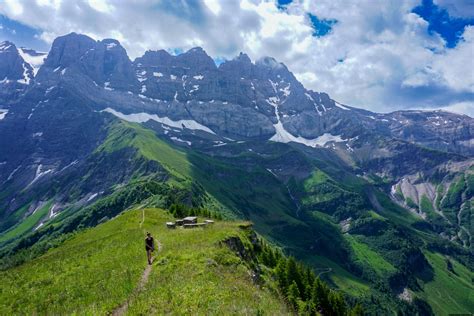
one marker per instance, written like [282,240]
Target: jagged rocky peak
[154,58]
[244,58]
[270,62]
[270,67]
[68,49]
[12,66]
[117,68]
[196,58]
[104,62]
[241,66]
[7,46]
[10,62]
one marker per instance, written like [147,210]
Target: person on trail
[149,246]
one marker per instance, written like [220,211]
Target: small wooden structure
[190,220]
[195,225]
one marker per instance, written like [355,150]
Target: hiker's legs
[148,253]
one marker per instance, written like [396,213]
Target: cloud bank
[376,55]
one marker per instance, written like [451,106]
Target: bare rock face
[240,98]
[15,73]
[11,63]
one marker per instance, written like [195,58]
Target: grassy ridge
[98,269]
[124,134]
[192,275]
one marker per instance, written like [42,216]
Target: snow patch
[34,61]
[219,143]
[143,90]
[339,105]
[274,85]
[283,136]
[50,89]
[3,113]
[69,165]
[52,213]
[286,91]
[180,140]
[145,117]
[39,226]
[157,74]
[10,176]
[4,46]
[107,86]
[26,78]
[90,198]
[111,45]
[173,77]
[199,77]
[40,173]
[195,88]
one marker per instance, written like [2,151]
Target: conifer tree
[293,295]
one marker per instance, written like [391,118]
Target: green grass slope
[451,290]
[27,224]
[99,269]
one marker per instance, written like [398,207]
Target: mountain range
[382,202]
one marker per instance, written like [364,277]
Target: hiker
[149,246]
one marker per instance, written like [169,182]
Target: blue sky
[379,55]
[21,34]
[449,27]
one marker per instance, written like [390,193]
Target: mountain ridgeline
[378,206]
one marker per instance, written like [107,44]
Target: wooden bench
[209,222]
[170,225]
[179,222]
[190,220]
[196,225]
